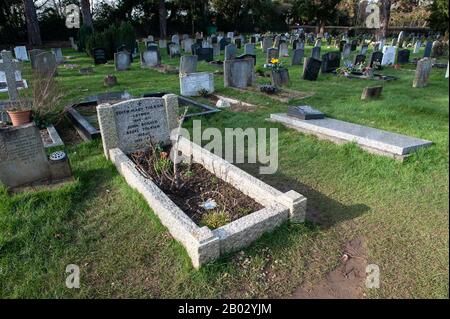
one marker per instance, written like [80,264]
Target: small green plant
[162,165]
[189,173]
[215,219]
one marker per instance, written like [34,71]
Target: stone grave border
[202,244]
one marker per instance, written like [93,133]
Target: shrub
[83,35]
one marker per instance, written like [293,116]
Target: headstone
[247,56]
[371,92]
[162,43]
[315,53]
[297,56]
[353,45]
[388,55]
[375,60]
[318,43]
[204,54]
[238,42]
[46,64]
[272,53]
[311,69]
[33,53]
[250,48]
[401,39]
[99,55]
[422,74]
[446,73]
[364,49]
[341,45]
[122,60]
[216,49]
[428,48]
[266,43]
[150,58]
[284,50]
[223,43]
[331,61]
[359,59]
[239,73]
[230,51]
[305,112]
[280,77]
[437,49]
[20,52]
[176,39]
[58,55]
[174,50]
[230,35]
[301,45]
[417,46]
[192,84]
[403,56]
[150,38]
[133,124]
[22,156]
[188,64]
[9,67]
[187,45]
[347,50]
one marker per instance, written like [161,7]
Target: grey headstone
[239,73]
[9,67]
[315,53]
[422,74]
[150,58]
[58,55]
[284,50]
[230,52]
[305,112]
[371,92]
[174,50]
[428,48]
[250,48]
[272,53]
[347,50]
[188,64]
[20,53]
[191,84]
[297,56]
[33,53]
[122,61]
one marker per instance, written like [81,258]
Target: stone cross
[9,67]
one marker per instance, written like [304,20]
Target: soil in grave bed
[197,187]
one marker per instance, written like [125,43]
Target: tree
[439,15]
[385,16]
[34,33]
[319,12]
[86,13]
[162,19]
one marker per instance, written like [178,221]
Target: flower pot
[280,77]
[20,117]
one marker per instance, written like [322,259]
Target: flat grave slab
[371,139]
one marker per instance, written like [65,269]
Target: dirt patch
[68,133]
[196,186]
[346,281]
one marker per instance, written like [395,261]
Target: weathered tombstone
[359,59]
[132,125]
[250,48]
[247,56]
[301,45]
[311,69]
[401,39]
[428,48]
[174,50]
[58,55]
[347,50]
[122,60]
[150,58]
[205,54]
[364,49]
[216,49]
[176,39]
[305,112]
[239,73]
[162,43]
[46,64]
[272,53]
[284,50]
[188,64]
[187,45]
[353,45]
[371,92]
[23,160]
[280,77]
[9,67]
[193,84]
[266,43]
[230,51]
[20,52]
[375,60]
[99,55]
[437,49]
[417,46]
[230,35]
[297,56]
[223,43]
[403,56]
[388,55]
[422,74]
[33,53]
[331,61]
[315,53]
[150,38]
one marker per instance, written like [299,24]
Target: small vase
[19,118]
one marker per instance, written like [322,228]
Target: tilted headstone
[375,60]
[428,48]
[58,55]
[422,74]
[318,43]
[122,60]
[389,53]
[417,46]
[230,51]
[20,52]
[403,56]
[311,69]
[446,73]
[331,61]
[9,67]
[437,49]
[33,53]
[371,92]
[46,64]
[305,112]
[272,53]
[188,64]
[347,50]
[193,84]
[239,73]
[315,53]
[150,58]
[401,39]
[359,59]
[133,124]
[297,56]
[99,55]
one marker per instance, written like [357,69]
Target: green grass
[105,227]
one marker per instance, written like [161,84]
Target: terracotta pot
[20,117]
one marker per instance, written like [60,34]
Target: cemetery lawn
[98,222]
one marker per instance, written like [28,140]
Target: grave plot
[230,103]
[196,206]
[310,121]
[363,76]
[283,95]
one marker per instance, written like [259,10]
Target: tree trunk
[385,17]
[86,13]
[162,19]
[34,33]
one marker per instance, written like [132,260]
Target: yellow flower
[274,61]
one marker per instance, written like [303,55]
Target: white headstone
[192,84]
[389,53]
